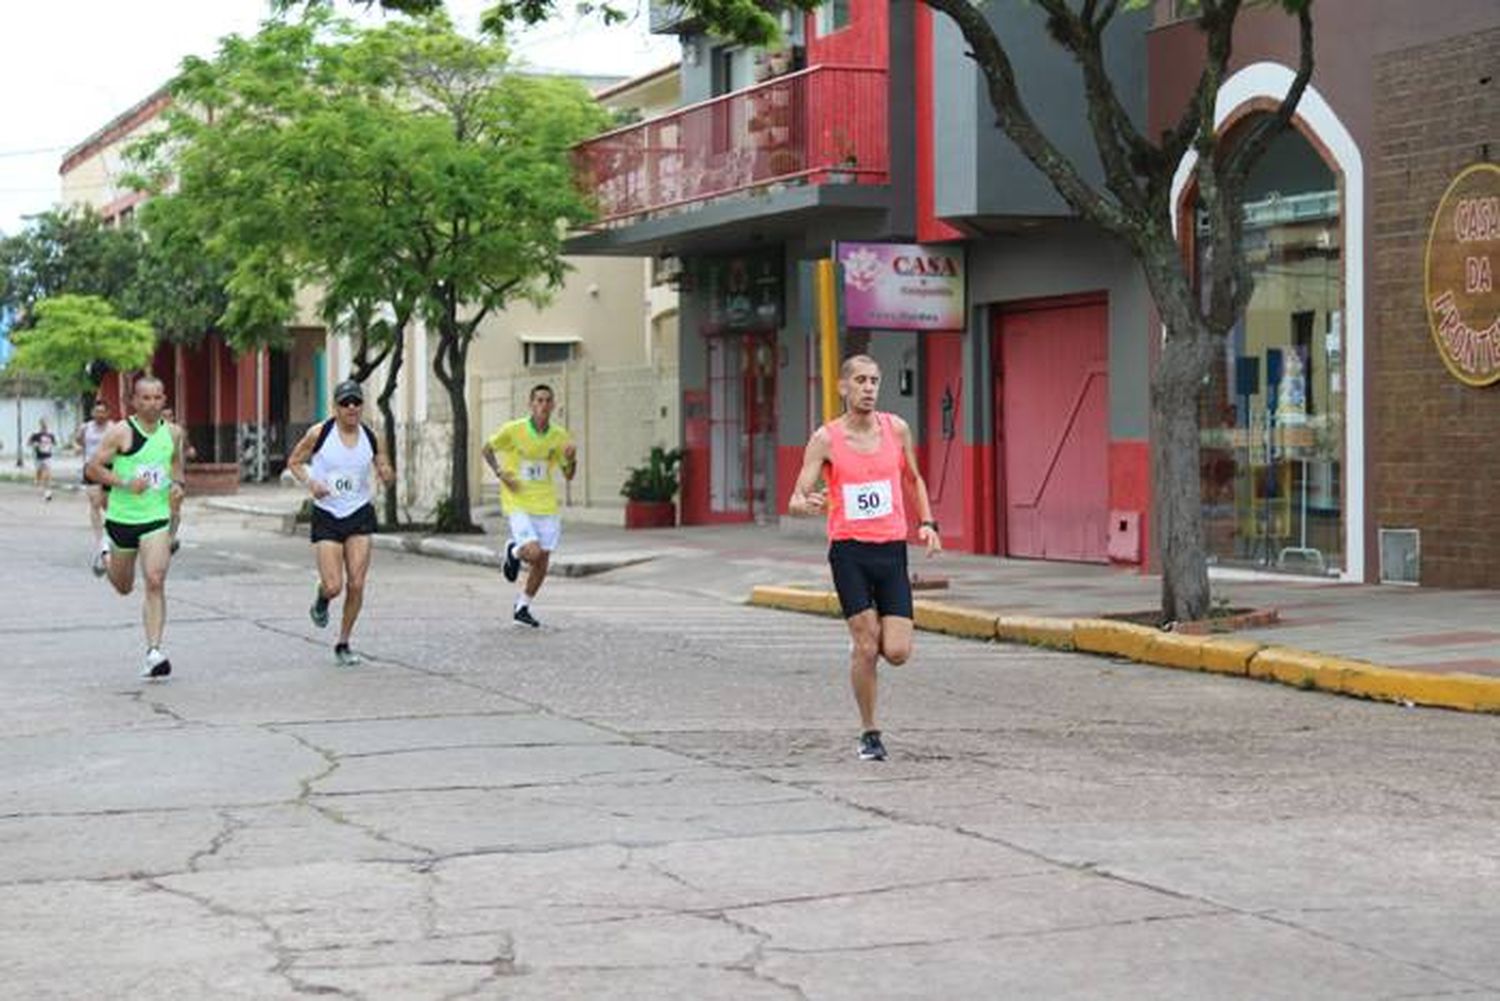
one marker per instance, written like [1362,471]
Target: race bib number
[155,476]
[868,500]
[346,485]
[533,472]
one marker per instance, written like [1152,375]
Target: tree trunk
[451,366]
[388,417]
[1176,397]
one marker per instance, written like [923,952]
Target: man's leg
[864,630]
[536,569]
[122,569]
[330,556]
[96,514]
[156,557]
[356,565]
[895,639]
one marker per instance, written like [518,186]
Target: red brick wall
[1435,465]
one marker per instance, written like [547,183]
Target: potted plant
[649,490]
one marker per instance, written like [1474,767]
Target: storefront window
[1273,414]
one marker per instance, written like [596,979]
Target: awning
[526,338]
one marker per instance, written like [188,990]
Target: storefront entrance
[741,426]
[1052,415]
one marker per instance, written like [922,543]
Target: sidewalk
[1405,644]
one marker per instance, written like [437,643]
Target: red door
[1054,413]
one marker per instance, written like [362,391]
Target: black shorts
[128,537]
[871,574]
[327,528]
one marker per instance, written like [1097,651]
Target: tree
[1134,204]
[70,333]
[404,166]
[66,251]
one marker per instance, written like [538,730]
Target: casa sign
[1463,254]
[902,286]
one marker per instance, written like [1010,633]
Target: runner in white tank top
[89,436]
[334,460]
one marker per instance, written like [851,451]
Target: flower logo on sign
[861,269]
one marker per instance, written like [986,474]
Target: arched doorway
[1282,421]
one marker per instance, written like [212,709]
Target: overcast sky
[69,66]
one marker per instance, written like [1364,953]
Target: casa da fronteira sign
[1463,254]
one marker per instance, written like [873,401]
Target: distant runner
[866,457]
[42,443]
[524,454]
[342,450]
[140,462]
[90,435]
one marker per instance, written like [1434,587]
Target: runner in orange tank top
[865,458]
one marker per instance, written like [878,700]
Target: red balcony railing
[821,125]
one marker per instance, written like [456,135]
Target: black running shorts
[128,537]
[871,575]
[327,528]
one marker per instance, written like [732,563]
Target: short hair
[541,387]
[136,386]
[847,369]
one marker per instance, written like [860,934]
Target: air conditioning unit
[1400,556]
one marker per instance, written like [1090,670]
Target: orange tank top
[864,490]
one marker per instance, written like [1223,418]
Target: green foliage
[657,479]
[67,252]
[70,332]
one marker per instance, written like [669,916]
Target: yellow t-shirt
[532,457]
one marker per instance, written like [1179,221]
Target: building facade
[240,409]
[1345,392]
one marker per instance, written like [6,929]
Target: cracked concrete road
[656,797]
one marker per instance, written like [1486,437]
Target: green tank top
[150,456]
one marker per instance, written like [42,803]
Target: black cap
[348,389]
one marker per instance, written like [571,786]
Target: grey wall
[979,171]
[1067,259]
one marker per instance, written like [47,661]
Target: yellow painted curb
[1472,692]
[1216,654]
[1297,668]
[1176,650]
[1122,639]
[1037,631]
[940,617]
[795,599]
[1221,656]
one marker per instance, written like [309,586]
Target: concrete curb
[1212,654]
[478,554]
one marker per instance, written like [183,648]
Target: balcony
[822,125]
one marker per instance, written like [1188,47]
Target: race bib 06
[345,485]
[533,471]
[867,500]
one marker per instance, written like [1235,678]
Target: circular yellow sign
[1463,258]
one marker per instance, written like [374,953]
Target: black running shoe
[870,747]
[511,568]
[157,666]
[523,615]
[319,610]
[176,545]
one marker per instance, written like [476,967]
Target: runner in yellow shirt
[524,454]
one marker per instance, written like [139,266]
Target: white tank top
[345,472]
[93,434]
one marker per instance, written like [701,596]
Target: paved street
[656,797]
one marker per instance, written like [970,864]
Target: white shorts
[543,529]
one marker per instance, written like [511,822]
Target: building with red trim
[241,410]
[1331,429]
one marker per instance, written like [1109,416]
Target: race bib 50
[868,500]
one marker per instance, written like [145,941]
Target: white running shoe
[157,666]
[100,566]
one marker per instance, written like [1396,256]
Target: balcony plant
[650,489]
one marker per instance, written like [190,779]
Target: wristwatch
[928,524]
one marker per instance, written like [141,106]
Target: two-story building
[1337,433]
[238,408]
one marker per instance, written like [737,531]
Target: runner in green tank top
[140,460]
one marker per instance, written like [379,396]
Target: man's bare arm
[805,499]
